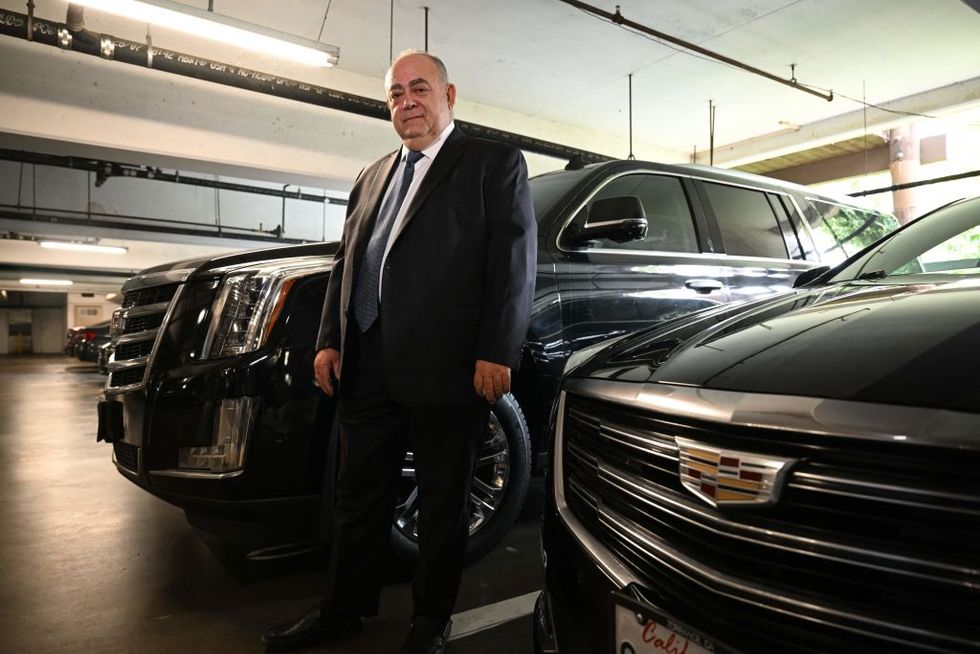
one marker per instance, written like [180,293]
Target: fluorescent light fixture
[216,27]
[46,282]
[83,247]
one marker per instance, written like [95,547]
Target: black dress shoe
[311,628]
[427,636]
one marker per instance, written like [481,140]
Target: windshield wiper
[874,274]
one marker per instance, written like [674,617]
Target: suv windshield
[841,231]
[945,242]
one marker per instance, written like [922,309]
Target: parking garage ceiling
[540,68]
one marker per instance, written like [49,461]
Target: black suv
[210,402]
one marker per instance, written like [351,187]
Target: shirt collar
[431,151]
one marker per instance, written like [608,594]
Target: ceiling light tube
[220,28]
[83,247]
[46,282]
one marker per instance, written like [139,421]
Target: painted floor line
[467,623]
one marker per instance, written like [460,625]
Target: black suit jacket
[459,278]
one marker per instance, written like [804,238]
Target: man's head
[420,98]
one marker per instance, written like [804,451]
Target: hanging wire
[711,132]
[217,207]
[20,184]
[391,32]
[324,21]
[323,223]
[426,28]
[864,112]
[630,76]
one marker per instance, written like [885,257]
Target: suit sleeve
[511,262]
[329,333]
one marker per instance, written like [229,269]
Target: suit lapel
[375,194]
[444,162]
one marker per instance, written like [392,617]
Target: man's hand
[327,362]
[491,380]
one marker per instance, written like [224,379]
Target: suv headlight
[249,301]
[233,421]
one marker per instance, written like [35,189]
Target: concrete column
[903,143]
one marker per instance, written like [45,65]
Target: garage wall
[47,330]
[40,317]
[16,344]
[99,310]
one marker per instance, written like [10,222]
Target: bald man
[424,319]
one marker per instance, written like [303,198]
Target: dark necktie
[366,295]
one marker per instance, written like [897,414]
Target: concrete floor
[91,563]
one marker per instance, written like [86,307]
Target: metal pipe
[619,19]
[178,63]
[106,169]
[924,182]
[141,224]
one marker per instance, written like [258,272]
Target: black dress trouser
[375,432]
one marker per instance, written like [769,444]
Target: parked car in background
[93,338]
[211,405]
[793,474]
[77,337]
[70,339]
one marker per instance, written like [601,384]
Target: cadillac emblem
[729,477]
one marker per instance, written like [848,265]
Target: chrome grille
[133,350]
[153,295]
[885,533]
[135,329]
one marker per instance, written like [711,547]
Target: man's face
[421,104]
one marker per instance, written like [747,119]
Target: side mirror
[617,219]
[810,275]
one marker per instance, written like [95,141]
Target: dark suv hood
[892,344]
[205,264]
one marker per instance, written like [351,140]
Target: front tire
[500,482]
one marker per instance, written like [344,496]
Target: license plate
[641,630]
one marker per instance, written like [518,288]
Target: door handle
[703,286]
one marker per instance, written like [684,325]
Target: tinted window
[747,222]
[547,189]
[840,231]
[670,226]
